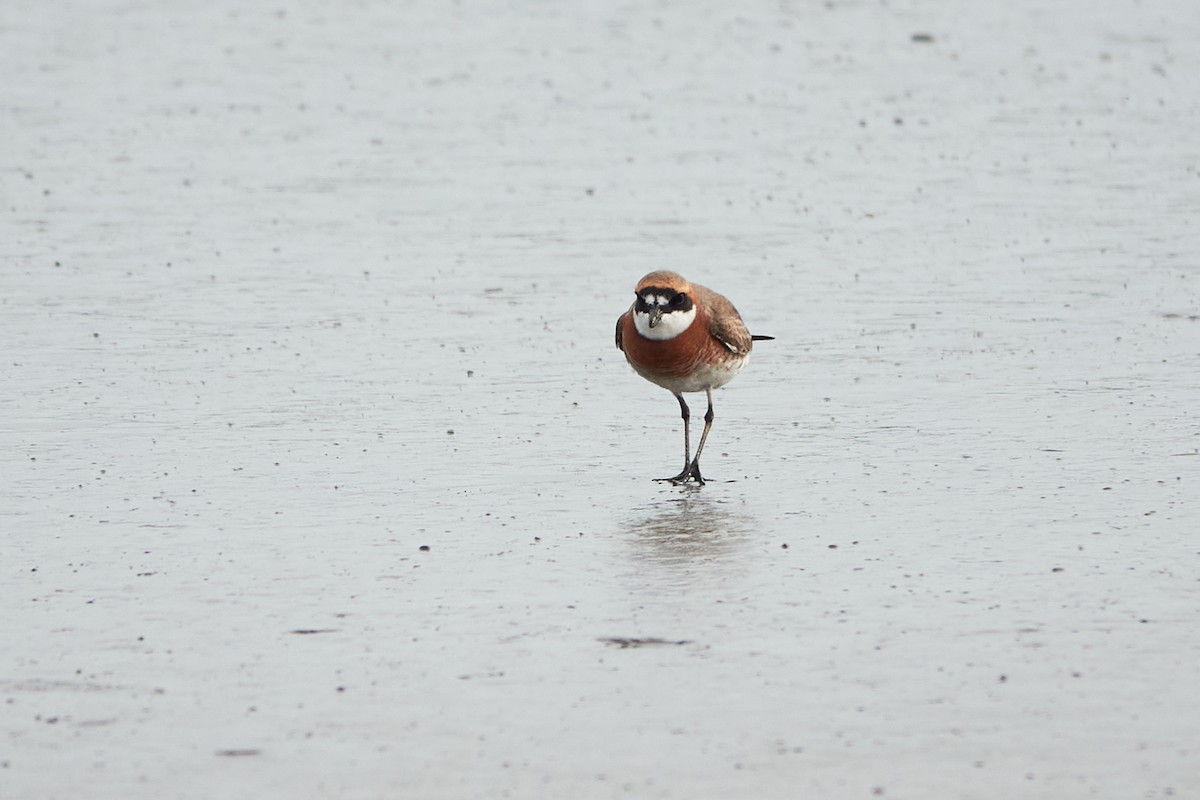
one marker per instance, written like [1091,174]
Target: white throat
[671,325]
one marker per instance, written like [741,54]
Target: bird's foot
[690,473]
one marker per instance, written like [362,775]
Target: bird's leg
[686,413]
[687,443]
[694,467]
[691,466]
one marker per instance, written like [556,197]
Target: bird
[685,338]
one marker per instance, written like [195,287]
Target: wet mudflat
[323,477]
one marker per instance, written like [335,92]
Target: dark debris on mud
[651,641]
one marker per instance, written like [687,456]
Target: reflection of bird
[691,530]
[685,338]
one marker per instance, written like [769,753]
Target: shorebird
[685,338]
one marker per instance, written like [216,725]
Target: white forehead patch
[671,325]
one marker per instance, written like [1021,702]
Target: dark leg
[691,469]
[687,443]
[687,432]
[708,418]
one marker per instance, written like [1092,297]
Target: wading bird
[685,338]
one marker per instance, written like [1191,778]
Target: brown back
[724,322]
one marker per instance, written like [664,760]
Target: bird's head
[664,307]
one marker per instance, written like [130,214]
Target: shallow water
[288,296]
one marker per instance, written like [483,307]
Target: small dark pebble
[1057,569]
[784,546]
[922,37]
[1004,679]
[424,548]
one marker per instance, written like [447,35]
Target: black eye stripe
[675,301]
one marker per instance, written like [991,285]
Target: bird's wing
[724,322]
[620,344]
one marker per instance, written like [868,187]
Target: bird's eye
[678,299]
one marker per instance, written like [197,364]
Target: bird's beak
[655,316]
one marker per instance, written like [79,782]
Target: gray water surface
[323,477]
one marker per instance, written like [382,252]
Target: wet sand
[324,478]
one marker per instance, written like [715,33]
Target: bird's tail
[761,338]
